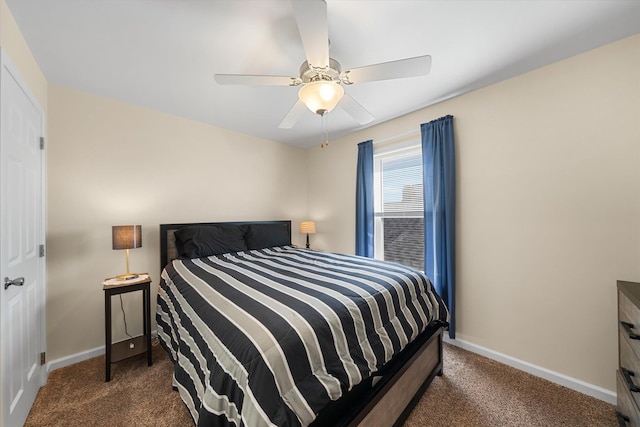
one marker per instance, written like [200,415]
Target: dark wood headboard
[168,250]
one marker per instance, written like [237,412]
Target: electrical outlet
[131,345]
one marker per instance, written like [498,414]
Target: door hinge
[43,358]
[41,251]
[42,142]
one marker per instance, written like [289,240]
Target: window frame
[386,150]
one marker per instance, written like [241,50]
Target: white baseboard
[555,377]
[80,357]
[74,358]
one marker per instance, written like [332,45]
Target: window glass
[398,200]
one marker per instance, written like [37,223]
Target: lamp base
[127,276]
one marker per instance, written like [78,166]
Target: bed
[264,333]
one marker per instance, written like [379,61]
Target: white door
[21,233]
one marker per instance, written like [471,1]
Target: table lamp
[308,227]
[127,237]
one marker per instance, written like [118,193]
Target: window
[398,201]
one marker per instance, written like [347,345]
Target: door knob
[15,282]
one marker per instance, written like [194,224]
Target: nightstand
[116,352]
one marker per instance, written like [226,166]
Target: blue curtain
[364,200]
[439,185]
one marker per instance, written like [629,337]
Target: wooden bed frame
[385,399]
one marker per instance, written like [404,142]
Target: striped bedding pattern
[269,337]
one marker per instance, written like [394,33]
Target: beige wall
[548,207]
[111,163]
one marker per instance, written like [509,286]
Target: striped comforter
[269,337]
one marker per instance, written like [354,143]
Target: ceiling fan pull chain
[324,130]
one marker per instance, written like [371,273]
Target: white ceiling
[163,54]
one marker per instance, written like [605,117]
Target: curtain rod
[397,136]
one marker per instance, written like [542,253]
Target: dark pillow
[261,236]
[207,240]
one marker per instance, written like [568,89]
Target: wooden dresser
[628,374]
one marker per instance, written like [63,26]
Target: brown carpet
[477,391]
[474,391]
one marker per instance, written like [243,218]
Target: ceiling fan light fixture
[321,96]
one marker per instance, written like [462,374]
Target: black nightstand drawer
[128,348]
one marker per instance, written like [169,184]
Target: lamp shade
[308,227]
[126,236]
[321,96]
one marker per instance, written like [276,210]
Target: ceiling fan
[321,77]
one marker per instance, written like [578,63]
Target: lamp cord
[124,317]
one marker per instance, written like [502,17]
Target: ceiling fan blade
[410,67]
[247,79]
[293,115]
[311,16]
[355,110]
